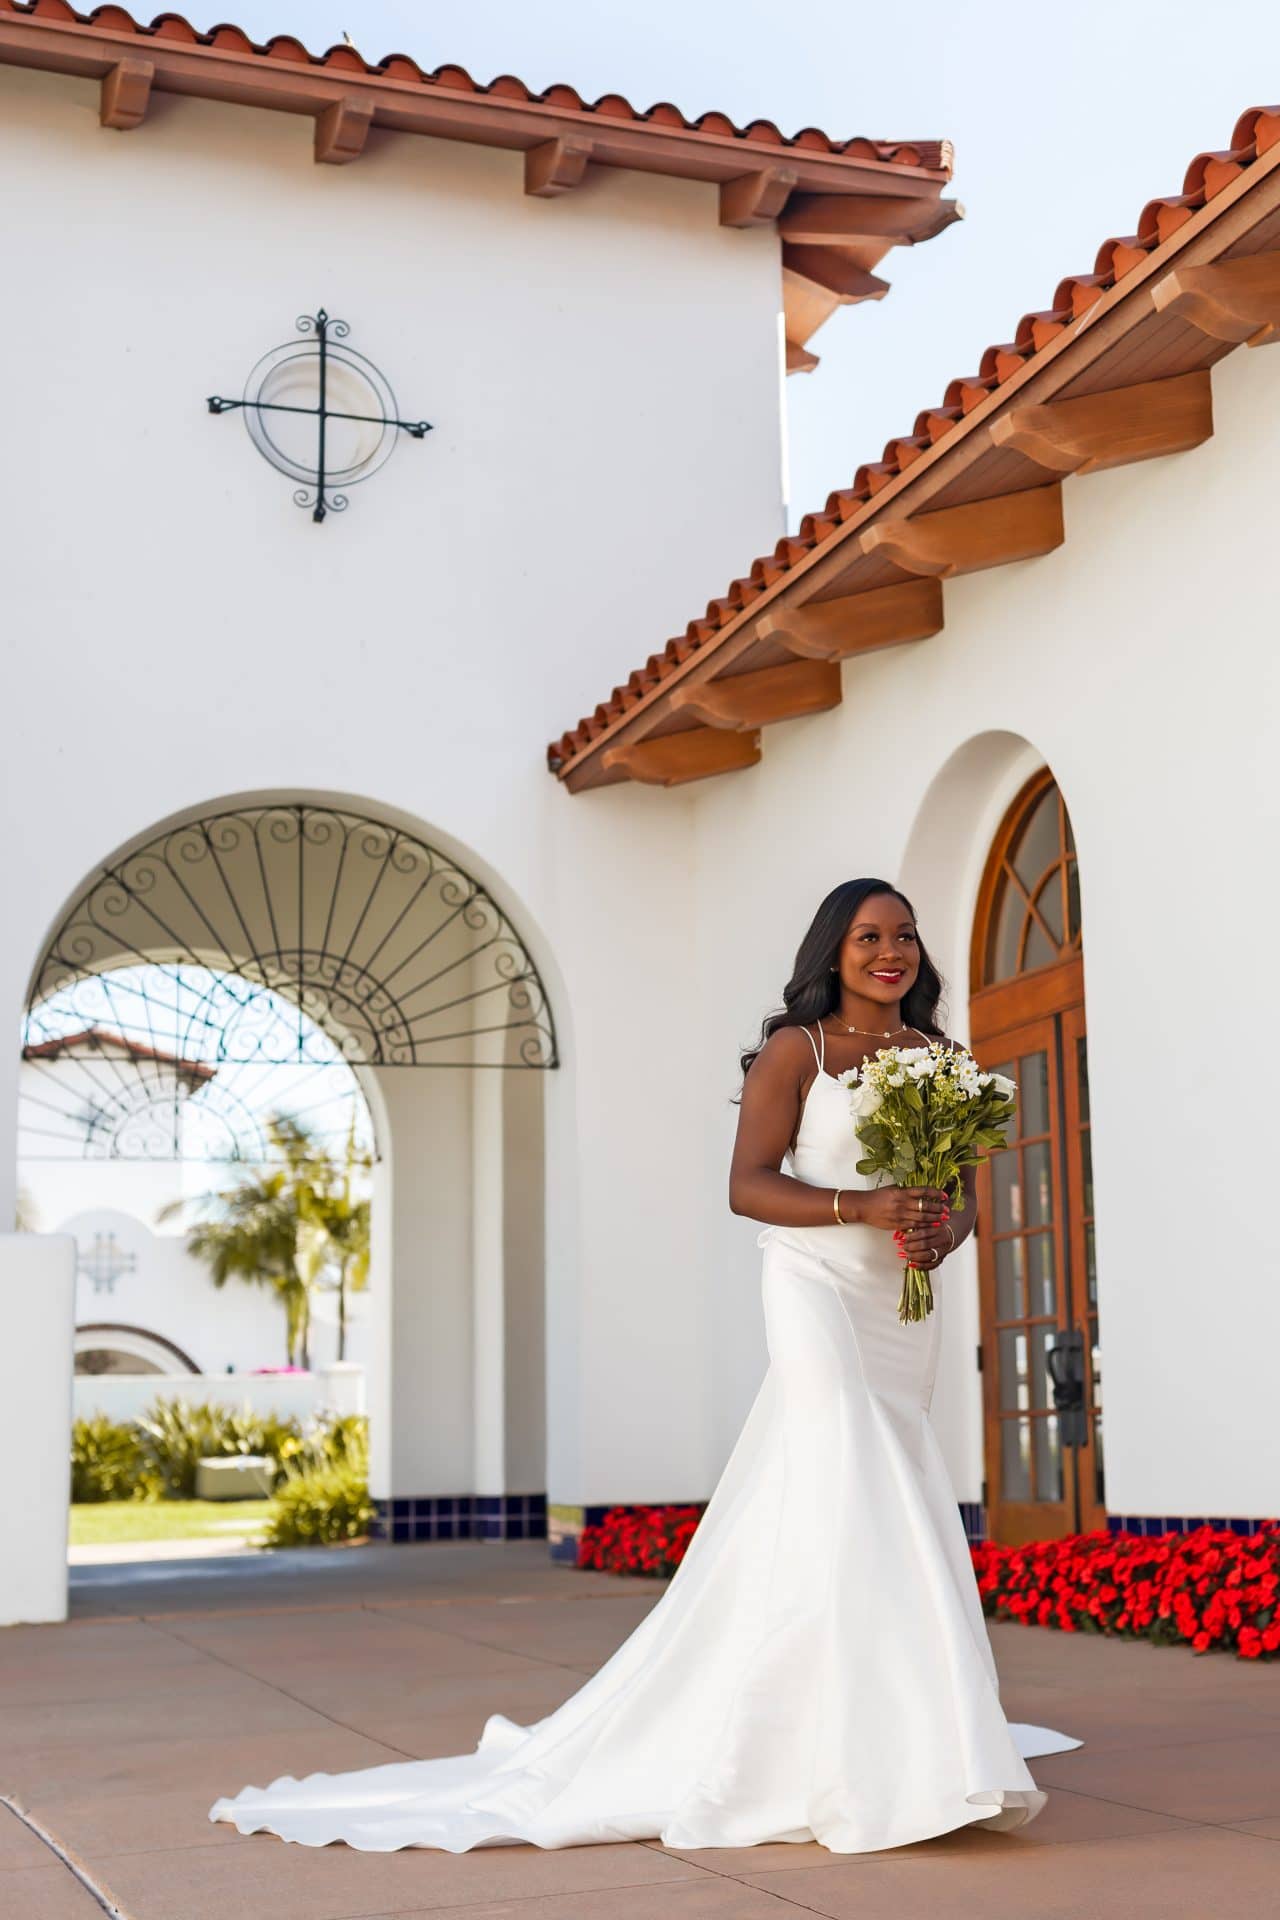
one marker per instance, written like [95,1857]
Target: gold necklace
[872,1034]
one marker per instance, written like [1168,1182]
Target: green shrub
[177,1435]
[155,1458]
[108,1462]
[319,1505]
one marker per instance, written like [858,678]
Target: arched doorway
[1038,1292]
[310,948]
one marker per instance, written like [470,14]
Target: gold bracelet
[836,1204]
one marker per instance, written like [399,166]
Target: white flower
[849,1078]
[1004,1085]
[866,1101]
[895,1079]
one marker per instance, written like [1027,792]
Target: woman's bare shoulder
[786,1048]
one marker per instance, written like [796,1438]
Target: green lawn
[109,1522]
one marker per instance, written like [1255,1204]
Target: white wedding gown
[818,1668]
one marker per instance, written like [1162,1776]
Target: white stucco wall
[602,372]
[1139,661]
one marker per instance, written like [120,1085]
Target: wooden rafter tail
[1111,429]
[342,131]
[799,358]
[1232,300]
[555,166]
[672,759]
[857,622]
[126,94]
[756,199]
[845,220]
[982,533]
[835,273]
[740,702]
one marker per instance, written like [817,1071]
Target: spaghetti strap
[819,1057]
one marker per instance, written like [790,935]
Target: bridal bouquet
[923,1114]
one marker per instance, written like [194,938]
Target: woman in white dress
[818,1668]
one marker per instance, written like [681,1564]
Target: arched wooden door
[1036,1258]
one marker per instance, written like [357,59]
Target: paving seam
[91,1886]
[297,1698]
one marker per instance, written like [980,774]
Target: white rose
[866,1101]
[1004,1085]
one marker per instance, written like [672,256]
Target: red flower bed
[1203,1589]
[645,1540]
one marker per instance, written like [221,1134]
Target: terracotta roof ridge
[1256,133]
[934,156]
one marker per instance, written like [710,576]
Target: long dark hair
[814,989]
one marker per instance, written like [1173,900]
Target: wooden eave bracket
[742,701]
[1233,300]
[1099,430]
[982,533]
[838,219]
[799,358]
[756,199]
[126,94]
[555,166]
[342,130]
[834,272]
[856,622]
[674,758]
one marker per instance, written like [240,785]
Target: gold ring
[921,1203]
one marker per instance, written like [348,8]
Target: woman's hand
[900,1209]
[925,1247]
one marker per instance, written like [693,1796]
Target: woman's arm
[772,1094]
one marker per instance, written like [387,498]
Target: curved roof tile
[1256,132]
[933,155]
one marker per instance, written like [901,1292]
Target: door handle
[1064,1361]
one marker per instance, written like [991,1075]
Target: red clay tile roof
[932,155]
[1256,132]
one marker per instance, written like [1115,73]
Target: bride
[818,1667]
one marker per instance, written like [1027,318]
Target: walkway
[175,1683]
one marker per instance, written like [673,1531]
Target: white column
[37,1337]
[488,1313]
[420,1376]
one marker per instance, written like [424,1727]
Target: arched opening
[1042,1408]
[310,960]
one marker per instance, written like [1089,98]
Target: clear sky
[1065,121]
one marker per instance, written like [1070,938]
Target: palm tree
[257,1231]
[340,1222]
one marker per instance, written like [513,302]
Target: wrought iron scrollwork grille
[378,939]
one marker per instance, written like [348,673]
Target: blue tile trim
[974,1516]
[1149,1528]
[460,1516]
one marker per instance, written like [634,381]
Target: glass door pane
[1020,1251]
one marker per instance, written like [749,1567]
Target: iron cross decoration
[316,361]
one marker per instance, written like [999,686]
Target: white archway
[413,957]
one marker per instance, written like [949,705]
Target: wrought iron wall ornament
[319,364]
[381,942]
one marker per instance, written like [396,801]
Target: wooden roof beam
[126,94]
[672,759]
[966,539]
[843,220]
[740,702]
[835,272]
[756,199]
[1099,430]
[342,129]
[555,166]
[856,622]
[1233,300]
